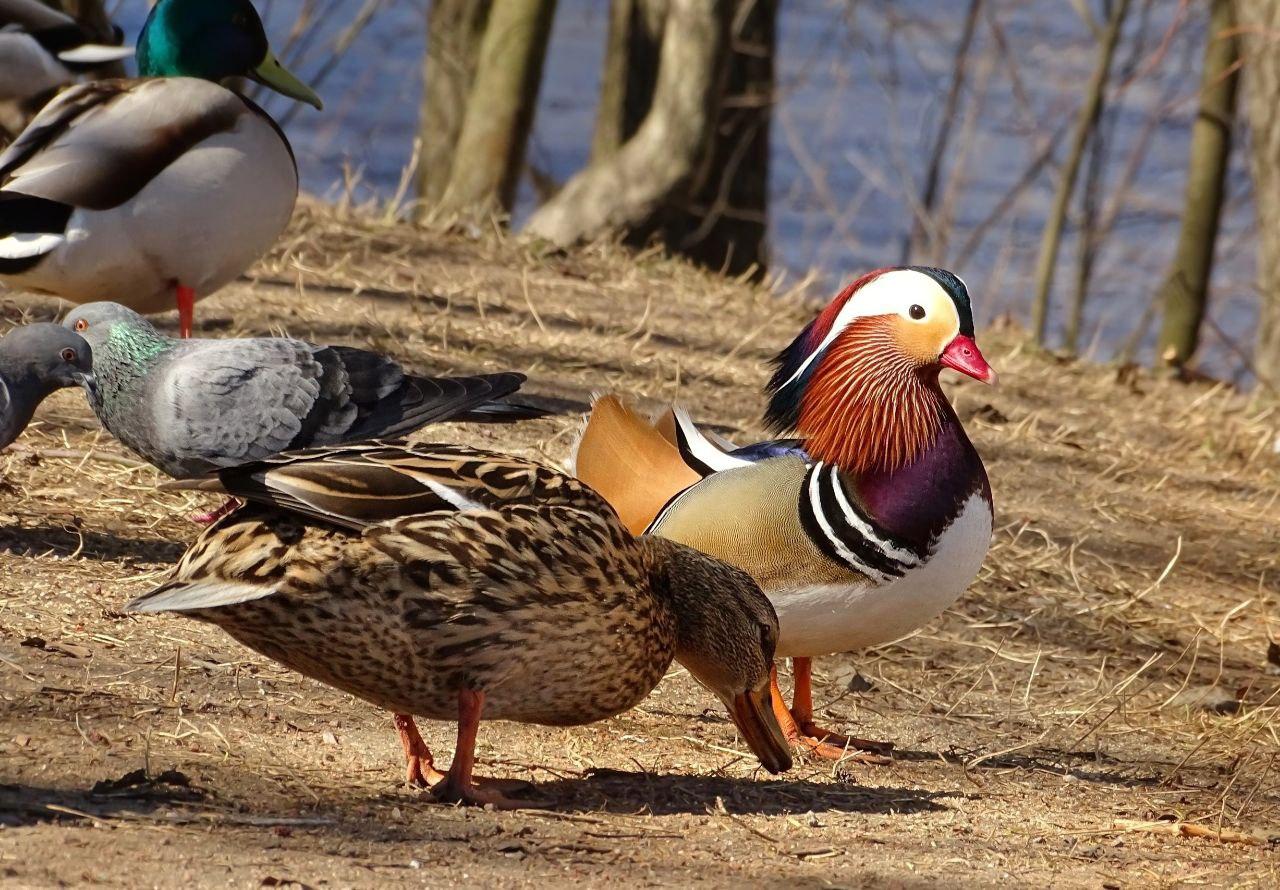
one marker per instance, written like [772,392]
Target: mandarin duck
[35,361]
[458,584]
[159,189]
[865,525]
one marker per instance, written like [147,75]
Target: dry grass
[1099,708]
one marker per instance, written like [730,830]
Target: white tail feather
[95,54]
[198,595]
[702,448]
[25,245]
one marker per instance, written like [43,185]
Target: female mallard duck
[453,583]
[863,529]
[156,189]
[43,50]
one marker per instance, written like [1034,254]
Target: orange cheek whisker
[869,405]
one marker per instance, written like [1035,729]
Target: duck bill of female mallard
[752,713]
[273,75]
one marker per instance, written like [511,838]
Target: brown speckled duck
[440,581]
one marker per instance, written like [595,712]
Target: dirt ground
[1097,711]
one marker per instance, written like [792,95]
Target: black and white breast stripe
[846,534]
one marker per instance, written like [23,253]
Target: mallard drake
[866,525]
[453,584]
[36,360]
[160,188]
[191,407]
[42,50]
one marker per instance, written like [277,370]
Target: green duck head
[214,40]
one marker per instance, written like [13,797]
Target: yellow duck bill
[752,713]
[279,78]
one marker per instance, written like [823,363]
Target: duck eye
[917,311]
[69,355]
[82,325]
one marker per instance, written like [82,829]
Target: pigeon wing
[219,403]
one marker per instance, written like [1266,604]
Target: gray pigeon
[191,407]
[35,360]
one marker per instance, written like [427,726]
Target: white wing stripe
[855,519]
[815,504]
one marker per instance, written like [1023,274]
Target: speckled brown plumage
[412,576]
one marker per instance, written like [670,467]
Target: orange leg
[422,770]
[797,723]
[460,785]
[186,310]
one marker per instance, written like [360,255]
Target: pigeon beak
[87,380]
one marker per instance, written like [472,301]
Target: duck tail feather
[628,461]
[189,596]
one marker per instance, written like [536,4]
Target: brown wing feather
[356,486]
[630,463]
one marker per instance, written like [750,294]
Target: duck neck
[700,595]
[870,409]
[901,449]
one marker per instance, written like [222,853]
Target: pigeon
[192,407]
[35,360]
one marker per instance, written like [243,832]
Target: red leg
[186,310]
[422,771]
[801,730]
[460,785]
[212,516]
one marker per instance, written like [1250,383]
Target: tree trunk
[1086,120]
[1260,25]
[489,155]
[627,189]
[725,222]
[454,31]
[1185,291]
[630,73]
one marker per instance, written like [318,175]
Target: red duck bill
[963,355]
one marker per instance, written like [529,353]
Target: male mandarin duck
[160,189]
[453,583]
[43,50]
[863,528]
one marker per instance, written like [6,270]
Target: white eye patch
[893,293]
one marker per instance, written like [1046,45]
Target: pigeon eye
[82,325]
[69,355]
[917,311]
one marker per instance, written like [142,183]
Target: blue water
[861,88]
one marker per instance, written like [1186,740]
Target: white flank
[820,620]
